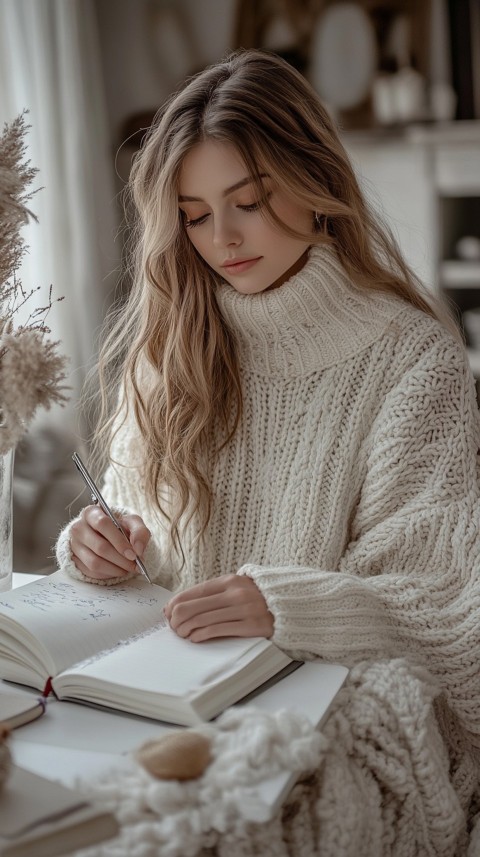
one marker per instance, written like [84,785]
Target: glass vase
[6,529]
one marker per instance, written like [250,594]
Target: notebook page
[162,662]
[74,620]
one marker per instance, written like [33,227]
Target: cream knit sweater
[350,492]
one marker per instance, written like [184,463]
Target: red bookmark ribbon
[48,689]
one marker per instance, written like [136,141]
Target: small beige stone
[178,756]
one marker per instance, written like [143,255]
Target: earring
[317,219]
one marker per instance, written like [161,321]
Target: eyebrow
[226,192]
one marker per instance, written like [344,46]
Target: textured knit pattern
[375,783]
[349,493]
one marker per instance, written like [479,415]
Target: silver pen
[97,498]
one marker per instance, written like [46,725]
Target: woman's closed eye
[191,222]
[254,206]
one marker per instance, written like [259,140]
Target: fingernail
[138,548]
[129,554]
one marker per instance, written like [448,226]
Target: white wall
[145,56]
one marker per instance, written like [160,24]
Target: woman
[294,429]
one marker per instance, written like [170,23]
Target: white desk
[72,741]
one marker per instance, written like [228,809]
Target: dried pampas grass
[31,370]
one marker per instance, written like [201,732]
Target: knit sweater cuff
[324,613]
[291,631]
[65,561]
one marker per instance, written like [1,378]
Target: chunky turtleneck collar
[314,320]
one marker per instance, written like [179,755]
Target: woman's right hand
[99,549]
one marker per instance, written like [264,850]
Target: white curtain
[50,64]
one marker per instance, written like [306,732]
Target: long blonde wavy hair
[169,357]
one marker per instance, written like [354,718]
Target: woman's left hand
[226,606]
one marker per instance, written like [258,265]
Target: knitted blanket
[374,783]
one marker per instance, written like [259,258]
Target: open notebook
[112,646]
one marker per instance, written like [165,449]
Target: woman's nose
[225,233]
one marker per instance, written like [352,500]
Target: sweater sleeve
[408,582]
[122,490]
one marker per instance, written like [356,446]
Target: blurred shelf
[474,360]
[456,131]
[457,168]
[456,274]
[468,187]
[459,131]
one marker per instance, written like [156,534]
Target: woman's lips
[240,266]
